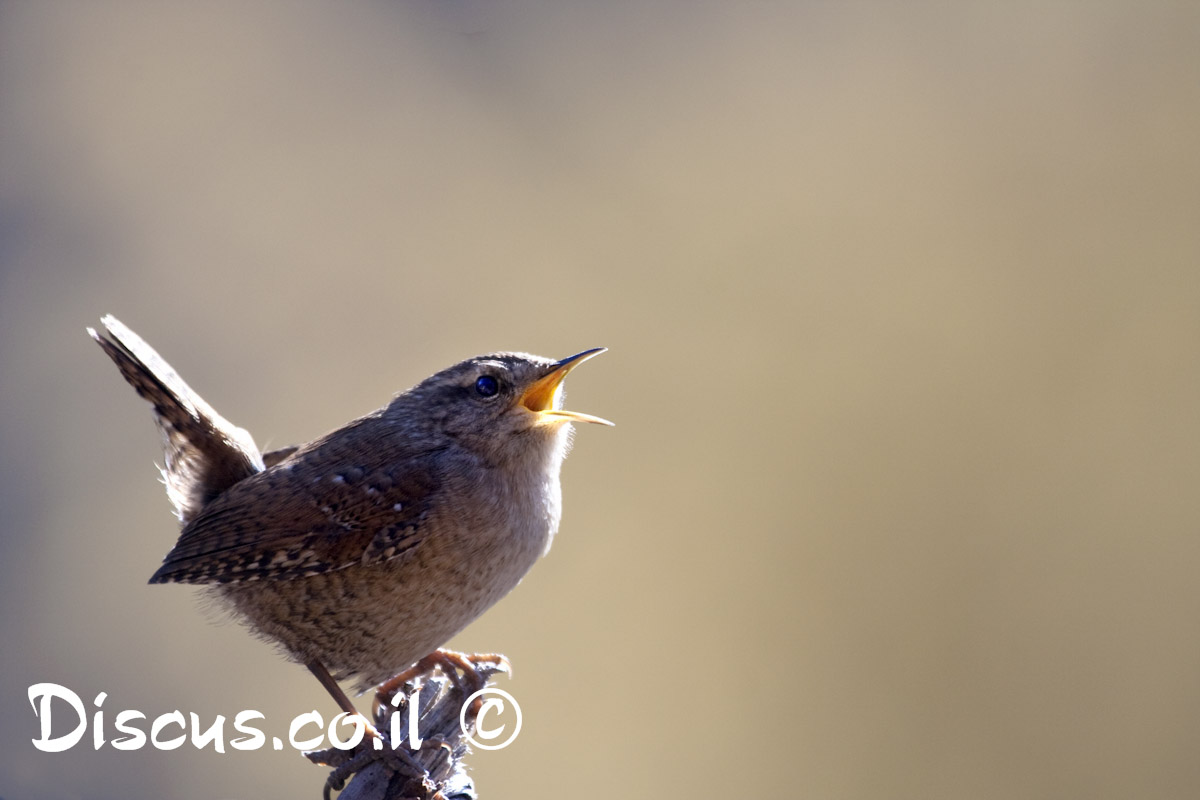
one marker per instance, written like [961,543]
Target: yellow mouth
[542,395]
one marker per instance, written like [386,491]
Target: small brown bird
[362,551]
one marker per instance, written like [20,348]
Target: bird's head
[499,403]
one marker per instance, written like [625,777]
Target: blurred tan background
[904,312]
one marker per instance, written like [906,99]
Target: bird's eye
[487,386]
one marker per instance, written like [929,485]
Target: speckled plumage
[371,546]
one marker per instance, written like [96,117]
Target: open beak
[542,395]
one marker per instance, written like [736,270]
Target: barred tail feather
[205,453]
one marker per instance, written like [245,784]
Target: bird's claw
[468,673]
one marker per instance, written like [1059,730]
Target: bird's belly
[377,619]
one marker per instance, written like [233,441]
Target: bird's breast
[501,519]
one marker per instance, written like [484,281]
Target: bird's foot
[468,673]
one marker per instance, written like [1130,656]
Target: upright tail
[205,453]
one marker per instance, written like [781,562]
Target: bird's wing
[291,522]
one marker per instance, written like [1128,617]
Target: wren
[369,547]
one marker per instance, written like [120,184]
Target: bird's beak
[542,395]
